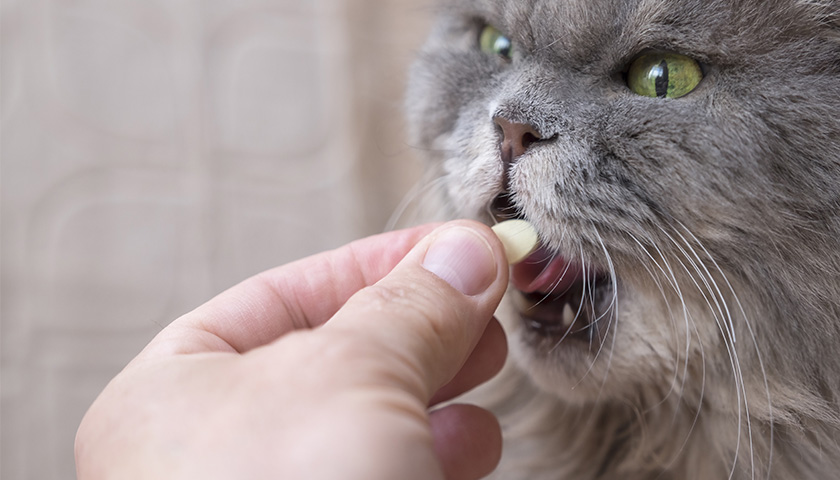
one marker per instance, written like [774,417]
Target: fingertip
[462,256]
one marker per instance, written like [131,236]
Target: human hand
[321,369]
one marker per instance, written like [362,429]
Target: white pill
[519,238]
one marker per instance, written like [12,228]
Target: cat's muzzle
[557,297]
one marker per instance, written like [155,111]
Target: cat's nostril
[528,138]
[516,138]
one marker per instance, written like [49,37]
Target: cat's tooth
[568,316]
[519,238]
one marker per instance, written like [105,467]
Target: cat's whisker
[420,190]
[720,308]
[554,284]
[702,384]
[690,325]
[672,281]
[643,261]
[593,361]
[751,332]
[553,287]
[733,362]
[612,306]
[721,305]
[739,374]
[611,312]
[718,314]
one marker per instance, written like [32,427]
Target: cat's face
[680,161]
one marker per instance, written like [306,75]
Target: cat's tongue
[545,272]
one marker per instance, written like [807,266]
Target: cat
[681,162]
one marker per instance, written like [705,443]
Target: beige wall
[155,152]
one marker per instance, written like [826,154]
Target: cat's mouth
[560,298]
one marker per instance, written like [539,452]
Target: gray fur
[717,214]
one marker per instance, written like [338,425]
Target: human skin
[323,368]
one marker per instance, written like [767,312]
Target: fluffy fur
[715,216]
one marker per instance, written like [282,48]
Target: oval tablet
[519,238]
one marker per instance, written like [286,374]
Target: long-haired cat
[681,162]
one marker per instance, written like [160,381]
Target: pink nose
[516,138]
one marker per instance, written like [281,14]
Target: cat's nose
[516,138]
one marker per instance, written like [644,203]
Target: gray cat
[681,161]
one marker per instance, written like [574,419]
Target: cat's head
[681,161]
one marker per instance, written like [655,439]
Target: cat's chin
[560,345]
[561,369]
[614,346]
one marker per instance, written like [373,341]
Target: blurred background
[154,153]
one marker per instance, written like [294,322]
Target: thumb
[428,314]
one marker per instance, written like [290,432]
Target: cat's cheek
[472,206]
[473,175]
[642,353]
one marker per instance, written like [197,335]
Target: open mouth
[558,297]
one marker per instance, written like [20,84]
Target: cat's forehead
[592,28]
[603,13]
[598,15]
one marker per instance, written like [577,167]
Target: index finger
[302,294]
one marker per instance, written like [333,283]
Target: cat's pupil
[663,75]
[502,46]
[661,82]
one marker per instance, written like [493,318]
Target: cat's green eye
[493,42]
[664,75]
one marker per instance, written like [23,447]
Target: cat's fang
[580,311]
[568,316]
